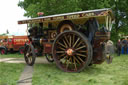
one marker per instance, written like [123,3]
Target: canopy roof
[100,14]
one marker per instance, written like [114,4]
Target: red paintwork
[15,42]
[47,48]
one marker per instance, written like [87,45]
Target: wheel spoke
[76,42]
[60,51]
[27,54]
[81,55]
[75,64]
[30,59]
[76,59]
[80,48]
[65,43]
[79,44]
[80,59]
[70,41]
[61,48]
[61,44]
[31,52]
[29,49]
[65,60]
[68,63]
[71,60]
[83,51]
[66,39]
[62,55]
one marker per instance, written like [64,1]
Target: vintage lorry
[12,43]
[73,40]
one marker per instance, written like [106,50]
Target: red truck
[13,43]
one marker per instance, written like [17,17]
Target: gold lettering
[88,14]
[47,19]
[36,20]
[20,40]
[73,16]
[58,18]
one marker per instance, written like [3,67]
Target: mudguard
[2,47]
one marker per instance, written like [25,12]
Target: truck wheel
[71,51]
[3,51]
[29,54]
[21,50]
[49,57]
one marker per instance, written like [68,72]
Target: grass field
[10,73]
[104,74]
[13,55]
[48,74]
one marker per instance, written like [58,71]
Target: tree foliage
[51,7]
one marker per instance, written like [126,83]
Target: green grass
[10,73]
[12,55]
[104,74]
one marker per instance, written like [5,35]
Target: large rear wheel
[71,51]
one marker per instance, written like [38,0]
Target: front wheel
[29,54]
[71,51]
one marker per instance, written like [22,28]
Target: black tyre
[3,51]
[29,54]
[49,57]
[21,50]
[71,51]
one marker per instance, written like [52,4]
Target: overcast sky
[10,13]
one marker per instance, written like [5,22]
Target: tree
[50,7]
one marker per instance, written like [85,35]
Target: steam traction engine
[73,40]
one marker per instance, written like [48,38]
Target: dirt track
[21,60]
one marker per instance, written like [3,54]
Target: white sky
[10,13]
